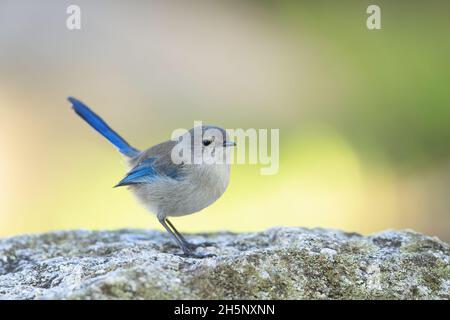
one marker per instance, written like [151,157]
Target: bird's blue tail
[98,124]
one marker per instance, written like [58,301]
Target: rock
[280,263]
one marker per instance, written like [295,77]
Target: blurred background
[364,116]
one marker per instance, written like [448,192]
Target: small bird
[171,188]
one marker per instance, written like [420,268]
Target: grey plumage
[195,187]
[171,188]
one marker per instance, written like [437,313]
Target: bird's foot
[188,252]
[194,246]
[197,255]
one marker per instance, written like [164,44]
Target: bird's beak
[229,144]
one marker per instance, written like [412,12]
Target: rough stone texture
[280,263]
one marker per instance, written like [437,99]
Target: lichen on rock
[280,263]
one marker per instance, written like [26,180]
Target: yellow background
[363,115]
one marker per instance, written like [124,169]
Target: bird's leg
[179,235]
[182,245]
[187,251]
[186,243]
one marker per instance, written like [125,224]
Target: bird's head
[211,137]
[207,144]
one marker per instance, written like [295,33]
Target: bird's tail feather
[98,124]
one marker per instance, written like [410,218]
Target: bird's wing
[155,163]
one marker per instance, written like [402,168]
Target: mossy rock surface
[280,263]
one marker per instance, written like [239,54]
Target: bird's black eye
[206,142]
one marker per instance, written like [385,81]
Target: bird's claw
[191,254]
[194,246]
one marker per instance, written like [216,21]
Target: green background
[363,115]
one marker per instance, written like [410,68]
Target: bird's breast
[200,186]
